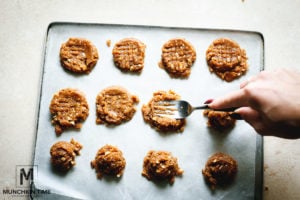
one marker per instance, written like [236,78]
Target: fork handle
[233,115]
[201,107]
[232,109]
[207,107]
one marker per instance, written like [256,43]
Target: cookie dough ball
[115,105]
[162,123]
[68,108]
[220,169]
[177,58]
[78,55]
[219,120]
[109,161]
[129,54]
[63,154]
[226,59]
[161,165]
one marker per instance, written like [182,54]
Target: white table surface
[23,26]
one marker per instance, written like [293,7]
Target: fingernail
[208,101]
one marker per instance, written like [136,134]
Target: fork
[179,109]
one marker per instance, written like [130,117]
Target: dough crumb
[108,43]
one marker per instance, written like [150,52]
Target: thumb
[249,115]
[253,118]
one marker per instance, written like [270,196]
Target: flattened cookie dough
[68,108]
[63,154]
[219,120]
[160,123]
[161,165]
[226,59]
[177,58]
[220,169]
[115,105]
[109,161]
[78,55]
[129,54]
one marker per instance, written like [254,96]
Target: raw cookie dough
[63,154]
[129,54]
[161,165]
[219,120]
[161,123]
[115,105]
[108,43]
[68,108]
[177,58]
[226,59]
[109,161]
[220,169]
[78,55]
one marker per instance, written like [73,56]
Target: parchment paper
[135,138]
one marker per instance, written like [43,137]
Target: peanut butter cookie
[69,108]
[63,154]
[115,105]
[226,59]
[161,165]
[219,120]
[177,58]
[109,161]
[129,54]
[161,123]
[220,169]
[78,55]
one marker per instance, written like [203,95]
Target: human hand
[269,102]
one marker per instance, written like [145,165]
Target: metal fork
[180,109]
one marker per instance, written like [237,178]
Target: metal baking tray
[135,138]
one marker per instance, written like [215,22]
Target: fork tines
[164,108]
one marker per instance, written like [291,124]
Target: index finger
[237,98]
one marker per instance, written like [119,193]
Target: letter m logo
[25,175]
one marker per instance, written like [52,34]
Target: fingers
[265,127]
[245,83]
[233,99]
[253,118]
[248,114]
[244,97]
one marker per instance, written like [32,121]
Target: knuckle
[249,90]
[263,75]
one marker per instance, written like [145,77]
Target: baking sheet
[135,138]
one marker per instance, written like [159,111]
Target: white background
[22,33]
